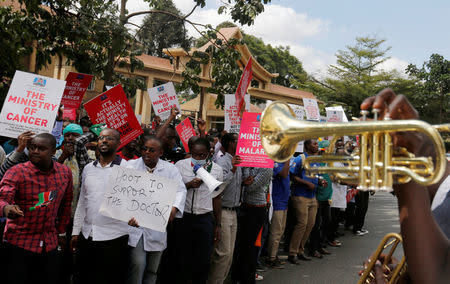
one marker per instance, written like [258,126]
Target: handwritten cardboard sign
[112,107]
[244,82]
[76,86]
[146,197]
[163,99]
[249,146]
[311,109]
[232,118]
[185,132]
[31,104]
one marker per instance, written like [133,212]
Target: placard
[76,86]
[300,115]
[70,113]
[232,118]
[112,107]
[311,109]
[249,146]
[334,115]
[146,197]
[244,82]
[299,111]
[337,109]
[31,104]
[163,98]
[185,132]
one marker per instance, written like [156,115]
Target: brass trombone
[373,166]
[390,240]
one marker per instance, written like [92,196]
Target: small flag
[45,198]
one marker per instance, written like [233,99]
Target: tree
[96,35]
[160,31]
[277,60]
[355,76]
[433,98]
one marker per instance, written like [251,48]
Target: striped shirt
[256,193]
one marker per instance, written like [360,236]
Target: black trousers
[24,267]
[350,214]
[291,220]
[194,244]
[102,262]
[362,204]
[250,222]
[318,236]
[166,273]
[336,217]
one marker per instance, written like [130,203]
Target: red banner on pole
[244,82]
[185,131]
[249,146]
[112,107]
[76,85]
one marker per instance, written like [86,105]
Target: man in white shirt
[146,245]
[199,227]
[100,241]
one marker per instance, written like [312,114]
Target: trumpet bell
[274,131]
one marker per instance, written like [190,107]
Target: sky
[316,30]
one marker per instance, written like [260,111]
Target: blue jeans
[143,264]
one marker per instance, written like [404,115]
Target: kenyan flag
[45,198]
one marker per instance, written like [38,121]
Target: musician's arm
[427,249]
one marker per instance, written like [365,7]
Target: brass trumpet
[373,166]
[391,240]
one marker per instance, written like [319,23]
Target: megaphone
[212,184]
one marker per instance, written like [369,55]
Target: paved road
[344,262]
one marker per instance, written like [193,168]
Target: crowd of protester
[51,190]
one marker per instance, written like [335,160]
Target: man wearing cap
[67,155]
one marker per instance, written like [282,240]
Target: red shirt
[45,199]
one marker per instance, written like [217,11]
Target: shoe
[280,261]
[335,243]
[303,257]
[274,264]
[260,267]
[317,254]
[361,232]
[258,277]
[324,251]
[293,259]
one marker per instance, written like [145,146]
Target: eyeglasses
[109,138]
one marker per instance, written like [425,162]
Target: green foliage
[160,31]
[225,70]
[355,76]
[96,38]
[15,39]
[243,11]
[433,96]
[277,60]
